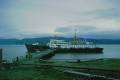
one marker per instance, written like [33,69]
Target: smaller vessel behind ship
[36,47]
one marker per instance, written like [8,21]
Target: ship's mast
[55,36]
[75,39]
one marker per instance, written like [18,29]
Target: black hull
[34,48]
[79,50]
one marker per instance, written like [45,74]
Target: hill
[44,40]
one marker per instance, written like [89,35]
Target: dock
[34,58]
[89,76]
[0,56]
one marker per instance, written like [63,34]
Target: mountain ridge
[44,40]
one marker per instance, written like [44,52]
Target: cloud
[104,35]
[85,31]
[112,13]
[22,18]
[73,28]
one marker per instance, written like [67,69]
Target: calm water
[10,52]
[110,51]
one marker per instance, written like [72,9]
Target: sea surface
[110,51]
[10,52]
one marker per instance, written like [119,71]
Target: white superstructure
[75,43]
[55,43]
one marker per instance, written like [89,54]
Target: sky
[41,18]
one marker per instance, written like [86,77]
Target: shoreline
[33,65]
[62,69]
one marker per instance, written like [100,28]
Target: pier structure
[36,57]
[0,56]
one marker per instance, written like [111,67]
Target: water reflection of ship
[75,45]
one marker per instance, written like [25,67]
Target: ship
[76,45]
